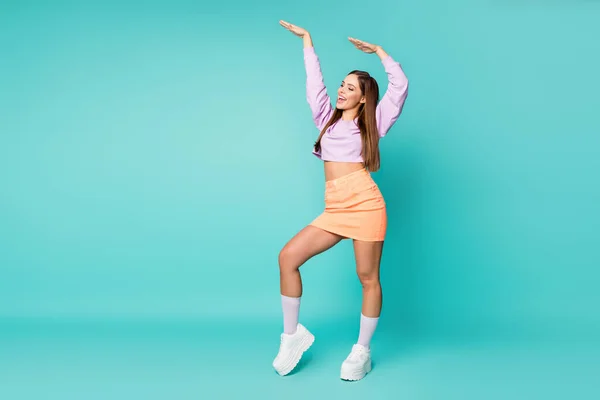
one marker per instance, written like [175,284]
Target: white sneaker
[357,364]
[291,349]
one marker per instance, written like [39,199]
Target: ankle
[291,309]
[367,329]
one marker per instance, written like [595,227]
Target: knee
[287,259]
[369,281]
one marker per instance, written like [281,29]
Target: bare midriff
[336,169]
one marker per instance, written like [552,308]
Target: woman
[354,207]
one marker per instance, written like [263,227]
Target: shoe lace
[282,339]
[356,354]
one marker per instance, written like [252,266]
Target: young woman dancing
[355,209]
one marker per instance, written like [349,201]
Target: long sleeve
[390,106]
[316,92]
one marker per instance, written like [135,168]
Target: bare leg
[296,339]
[368,258]
[306,244]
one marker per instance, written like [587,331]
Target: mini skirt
[354,208]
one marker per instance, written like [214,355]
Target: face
[349,94]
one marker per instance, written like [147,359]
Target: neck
[349,115]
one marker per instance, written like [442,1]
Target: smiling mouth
[341,99]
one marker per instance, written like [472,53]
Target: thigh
[368,258]
[307,243]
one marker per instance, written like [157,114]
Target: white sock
[367,328]
[291,309]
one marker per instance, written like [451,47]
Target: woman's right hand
[296,30]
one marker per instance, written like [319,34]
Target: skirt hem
[344,237]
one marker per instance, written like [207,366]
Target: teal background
[155,157]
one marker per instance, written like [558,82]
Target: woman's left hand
[364,46]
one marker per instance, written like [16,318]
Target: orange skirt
[354,208]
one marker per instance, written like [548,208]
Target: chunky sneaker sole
[286,364]
[355,374]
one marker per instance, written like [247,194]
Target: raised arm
[316,92]
[392,102]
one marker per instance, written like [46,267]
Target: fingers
[286,25]
[360,43]
[363,46]
[293,28]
